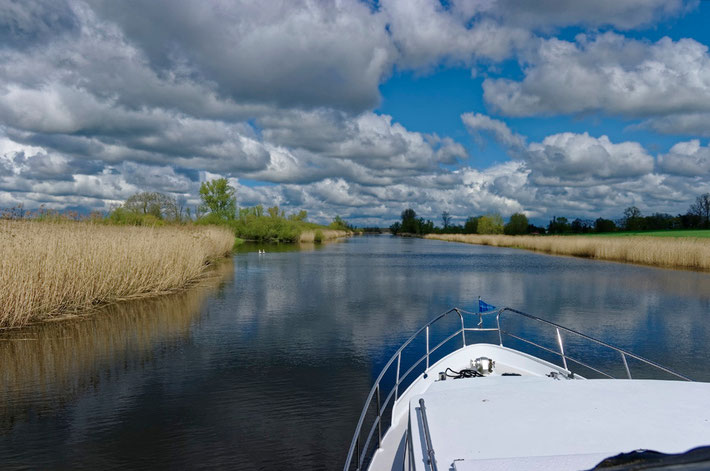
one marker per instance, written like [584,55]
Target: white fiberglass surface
[506,361]
[522,420]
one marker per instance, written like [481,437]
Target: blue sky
[545,107]
[432,101]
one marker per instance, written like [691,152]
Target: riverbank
[48,269]
[320,235]
[274,226]
[683,253]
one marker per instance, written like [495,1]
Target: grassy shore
[49,269]
[685,253]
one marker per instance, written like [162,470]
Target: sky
[359,108]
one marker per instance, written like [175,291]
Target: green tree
[410,224]
[490,224]
[558,225]
[517,225]
[340,224]
[425,227]
[580,226]
[300,216]
[219,198]
[471,225]
[659,221]
[604,225]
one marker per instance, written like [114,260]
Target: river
[267,364]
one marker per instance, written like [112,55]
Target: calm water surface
[267,365]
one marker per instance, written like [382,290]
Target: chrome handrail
[354,450]
[622,352]
[360,453]
[429,447]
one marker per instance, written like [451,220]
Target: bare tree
[181,203]
[446,219]
[169,207]
[701,208]
[157,204]
[633,220]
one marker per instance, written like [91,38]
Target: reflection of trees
[47,364]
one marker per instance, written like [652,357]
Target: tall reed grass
[325,234]
[48,269]
[685,253]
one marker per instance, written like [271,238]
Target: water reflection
[270,247]
[47,365]
[270,371]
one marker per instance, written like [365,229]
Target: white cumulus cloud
[686,158]
[608,73]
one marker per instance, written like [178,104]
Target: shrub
[490,224]
[318,238]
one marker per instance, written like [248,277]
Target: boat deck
[507,409]
[390,455]
[530,422]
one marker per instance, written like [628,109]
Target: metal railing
[431,460]
[359,453]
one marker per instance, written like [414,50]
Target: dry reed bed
[48,269]
[328,234]
[670,252]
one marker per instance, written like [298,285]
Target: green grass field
[698,233]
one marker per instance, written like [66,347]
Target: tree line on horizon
[697,217]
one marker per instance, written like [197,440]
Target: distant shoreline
[663,252]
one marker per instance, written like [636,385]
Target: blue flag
[484,306]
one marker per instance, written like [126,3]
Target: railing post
[562,349]
[500,335]
[396,385]
[463,329]
[357,453]
[379,418]
[626,365]
[427,347]
[427,437]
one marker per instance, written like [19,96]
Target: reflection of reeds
[668,252]
[310,236]
[46,364]
[47,269]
